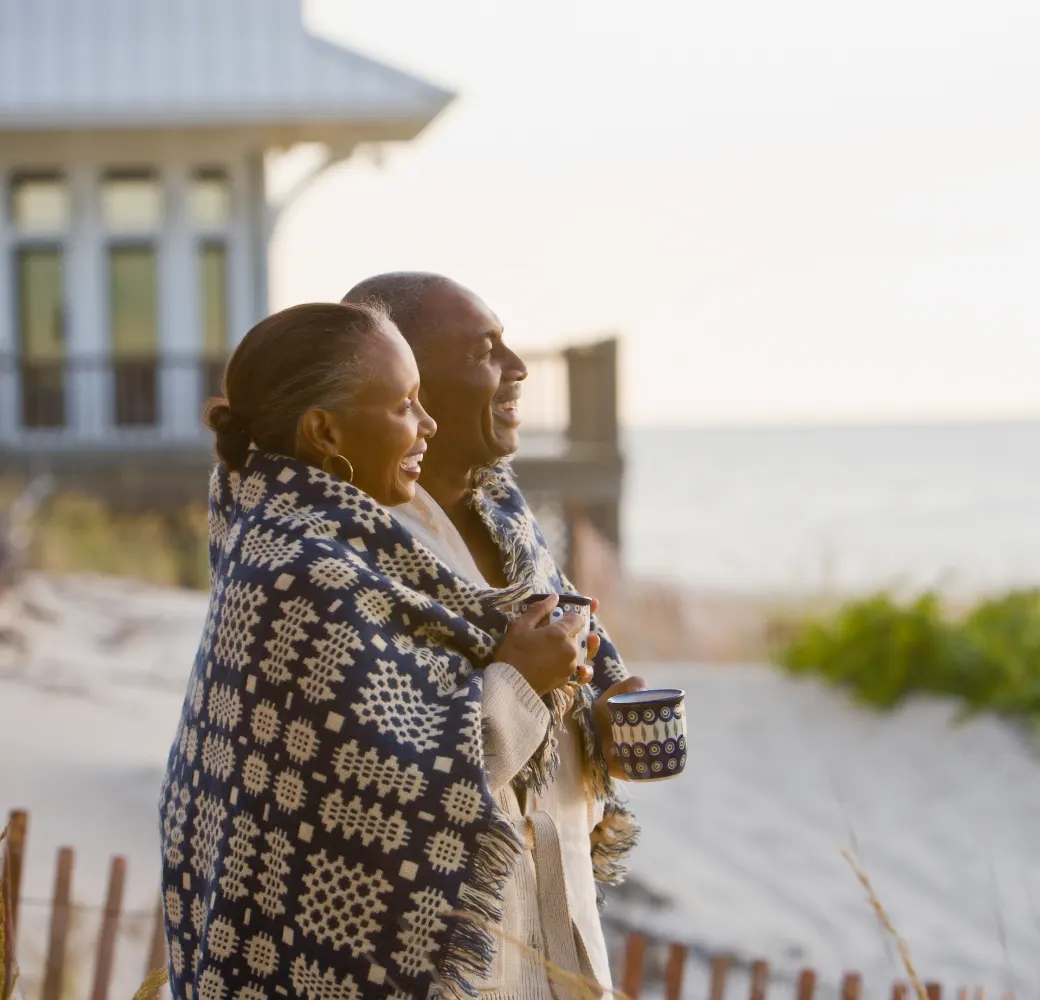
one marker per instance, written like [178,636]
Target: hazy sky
[816,209]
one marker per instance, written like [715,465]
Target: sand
[742,852]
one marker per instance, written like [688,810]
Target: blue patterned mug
[570,604]
[649,729]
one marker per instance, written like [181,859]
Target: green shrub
[882,649]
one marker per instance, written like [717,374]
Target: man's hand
[601,717]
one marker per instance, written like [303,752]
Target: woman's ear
[316,435]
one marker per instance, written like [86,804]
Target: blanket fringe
[471,946]
[612,840]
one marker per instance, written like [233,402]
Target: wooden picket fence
[631,983]
[61,908]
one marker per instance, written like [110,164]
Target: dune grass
[76,533]
[883,649]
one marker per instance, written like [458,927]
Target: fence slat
[720,966]
[759,979]
[632,974]
[851,986]
[109,929]
[18,830]
[962,993]
[54,967]
[934,990]
[806,984]
[157,950]
[14,857]
[673,973]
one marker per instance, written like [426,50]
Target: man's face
[470,380]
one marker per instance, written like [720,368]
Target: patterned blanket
[327,828]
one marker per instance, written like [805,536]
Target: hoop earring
[328,461]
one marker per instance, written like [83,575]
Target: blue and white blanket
[327,828]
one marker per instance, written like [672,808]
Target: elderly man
[550,763]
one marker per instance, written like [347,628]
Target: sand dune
[743,849]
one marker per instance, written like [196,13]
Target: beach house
[135,220]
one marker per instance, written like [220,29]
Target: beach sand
[742,852]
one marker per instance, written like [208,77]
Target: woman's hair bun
[232,433]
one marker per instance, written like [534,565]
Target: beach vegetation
[883,649]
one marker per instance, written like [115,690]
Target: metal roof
[79,64]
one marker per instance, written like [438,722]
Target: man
[548,764]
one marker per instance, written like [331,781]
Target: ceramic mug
[573,604]
[649,729]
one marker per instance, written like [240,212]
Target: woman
[327,825]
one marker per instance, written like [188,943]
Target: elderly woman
[328,829]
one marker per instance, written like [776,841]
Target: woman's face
[383,431]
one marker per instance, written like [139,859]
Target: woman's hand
[601,717]
[546,655]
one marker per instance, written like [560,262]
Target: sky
[820,210]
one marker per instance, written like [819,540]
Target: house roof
[88,64]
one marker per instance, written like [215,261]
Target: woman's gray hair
[307,357]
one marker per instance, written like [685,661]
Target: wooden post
[17,831]
[806,984]
[720,966]
[759,979]
[934,990]
[851,986]
[12,861]
[632,974]
[157,951]
[962,993]
[673,973]
[109,929]
[899,991]
[54,967]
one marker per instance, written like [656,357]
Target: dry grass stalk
[7,961]
[154,981]
[901,945]
[587,989]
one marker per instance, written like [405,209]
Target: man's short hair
[401,294]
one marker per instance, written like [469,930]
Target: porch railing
[569,397]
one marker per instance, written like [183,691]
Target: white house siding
[89,389]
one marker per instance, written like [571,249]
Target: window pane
[133,295]
[213,280]
[133,298]
[40,204]
[41,295]
[131,204]
[41,333]
[209,201]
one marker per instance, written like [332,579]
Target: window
[214,309]
[40,288]
[209,200]
[133,303]
[39,204]
[131,202]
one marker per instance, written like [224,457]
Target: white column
[10,395]
[240,251]
[90,387]
[252,222]
[180,334]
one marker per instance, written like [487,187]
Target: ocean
[840,509]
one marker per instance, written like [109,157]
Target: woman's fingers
[535,614]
